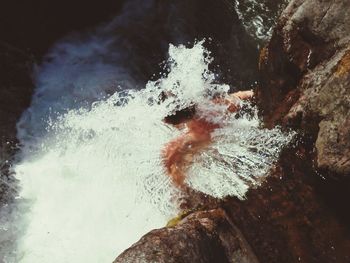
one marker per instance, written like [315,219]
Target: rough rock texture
[306,78]
[299,215]
[296,216]
[207,236]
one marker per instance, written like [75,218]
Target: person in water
[178,153]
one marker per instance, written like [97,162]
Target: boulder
[203,237]
[305,78]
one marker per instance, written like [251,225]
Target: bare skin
[178,153]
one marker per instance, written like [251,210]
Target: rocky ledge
[306,78]
[205,236]
[299,213]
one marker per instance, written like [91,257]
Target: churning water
[259,17]
[90,168]
[95,180]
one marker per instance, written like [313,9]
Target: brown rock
[296,216]
[207,236]
[306,77]
[305,84]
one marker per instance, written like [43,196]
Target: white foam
[239,157]
[94,176]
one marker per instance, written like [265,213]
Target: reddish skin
[178,153]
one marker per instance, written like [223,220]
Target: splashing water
[259,17]
[239,157]
[95,179]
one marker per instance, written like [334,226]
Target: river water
[90,171]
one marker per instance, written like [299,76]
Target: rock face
[203,237]
[296,216]
[299,214]
[306,78]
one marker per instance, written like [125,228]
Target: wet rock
[296,215]
[306,78]
[299,214]
[207,236]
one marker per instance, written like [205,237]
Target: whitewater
[94,181]
[90,171]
